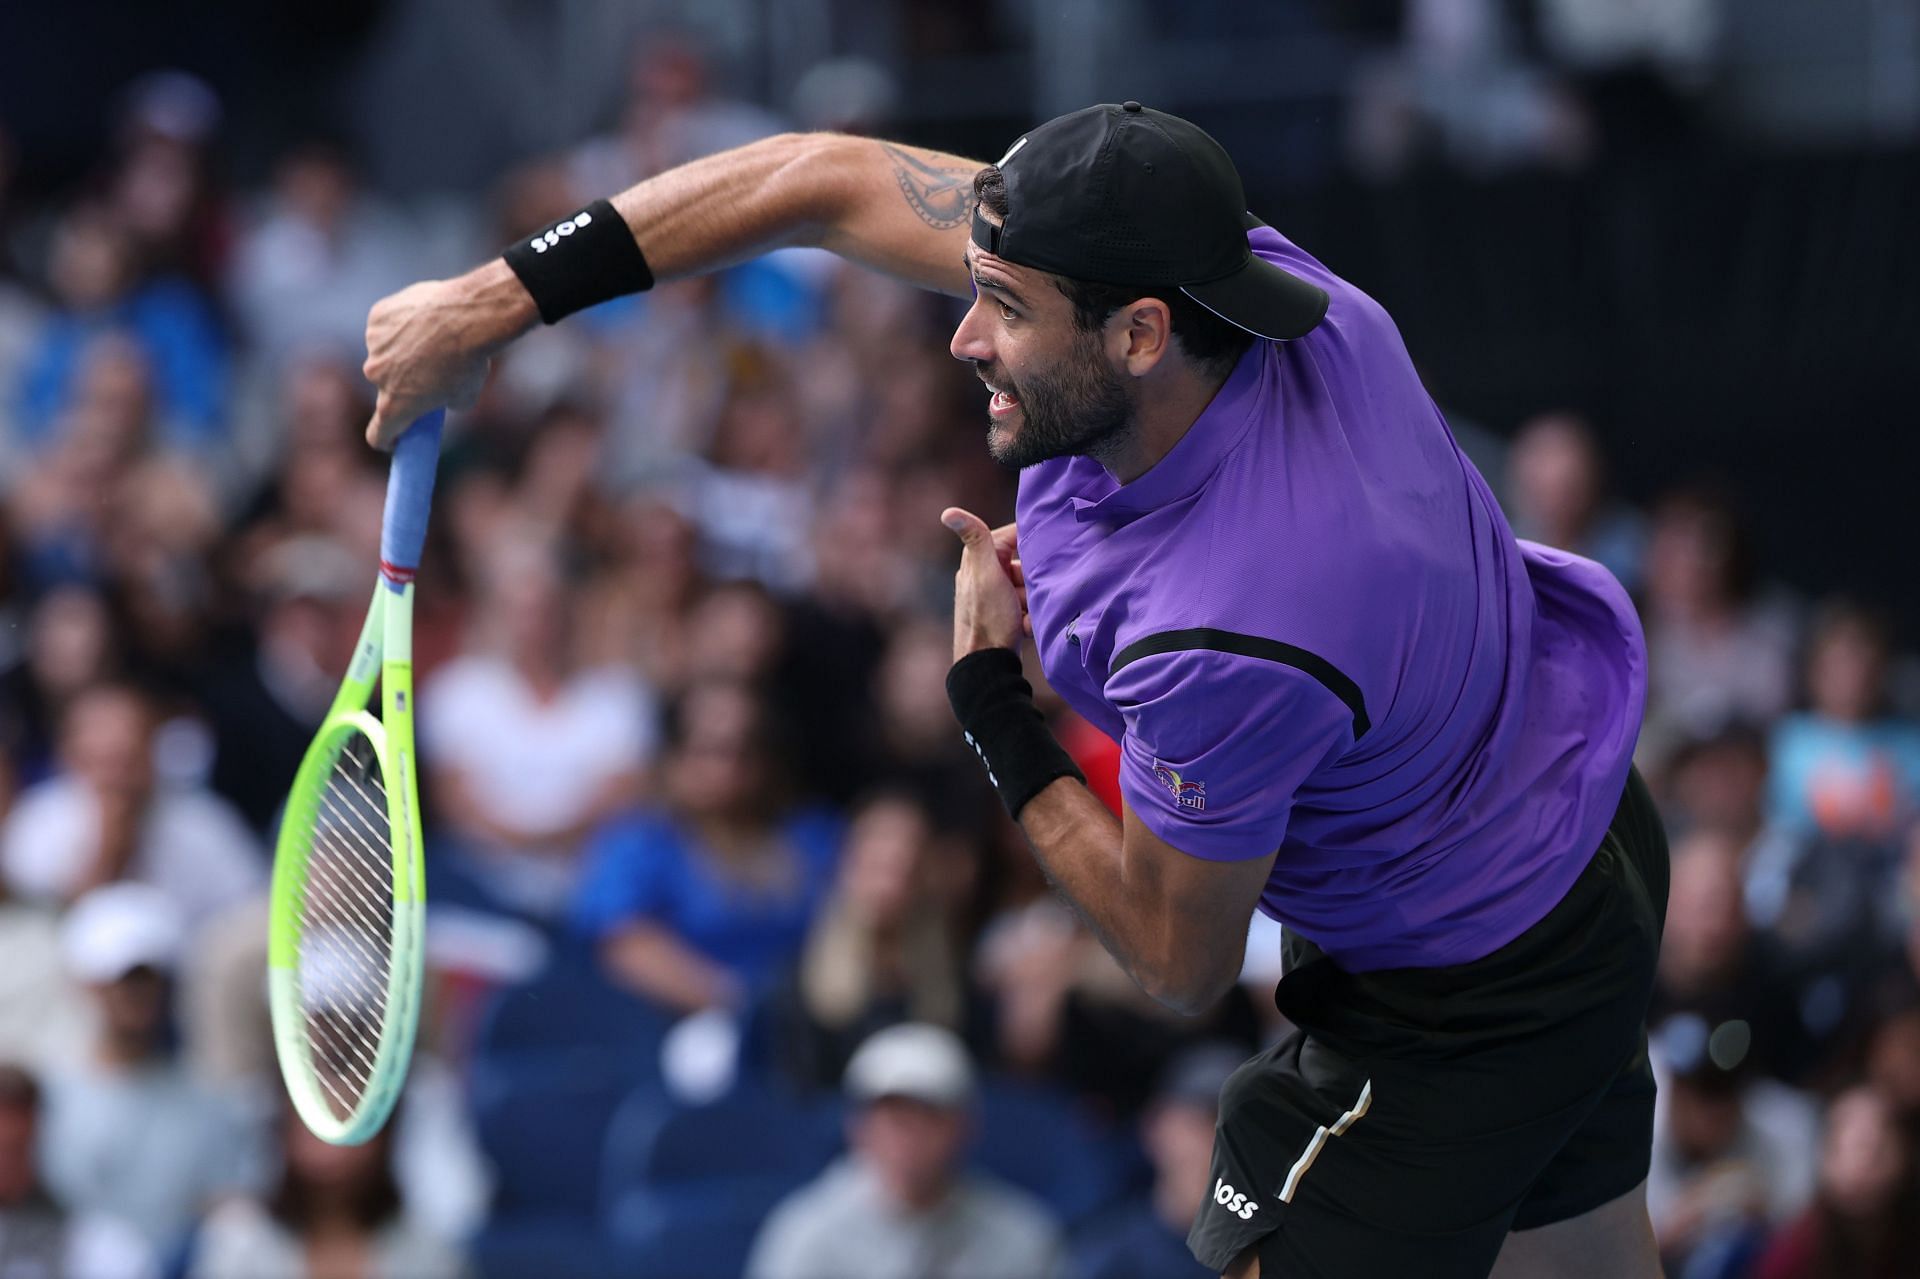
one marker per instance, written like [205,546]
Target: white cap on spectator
[919,1061]
[120,927]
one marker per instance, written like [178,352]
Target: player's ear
[1142,334]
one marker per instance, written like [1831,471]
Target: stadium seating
[1041,1140]
[553,1060]
[687,1187]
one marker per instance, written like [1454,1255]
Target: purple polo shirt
[1310,629]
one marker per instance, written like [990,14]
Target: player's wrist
[994,704]
[502,308]
[579,261]
[965,646]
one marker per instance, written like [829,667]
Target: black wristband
[994,704]
[580,261]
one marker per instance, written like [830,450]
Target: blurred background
[699,822]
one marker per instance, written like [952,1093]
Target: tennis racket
[349,894]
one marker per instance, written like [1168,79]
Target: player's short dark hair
[1206,338]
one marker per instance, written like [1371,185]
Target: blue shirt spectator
[650,866]
[1845,769]
[172,324]
[1845,778]
[705,902]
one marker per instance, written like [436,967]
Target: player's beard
[1079,407]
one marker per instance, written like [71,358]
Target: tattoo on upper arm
[940,196]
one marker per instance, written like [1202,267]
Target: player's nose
[970,339]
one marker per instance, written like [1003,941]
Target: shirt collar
[1193,458]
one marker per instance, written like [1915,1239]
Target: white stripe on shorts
[1312,1152]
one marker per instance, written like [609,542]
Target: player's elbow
[820,181]
[1190,989]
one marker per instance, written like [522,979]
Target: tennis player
[1249,549]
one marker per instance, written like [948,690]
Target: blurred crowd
[726,925]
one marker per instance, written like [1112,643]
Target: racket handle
[403,531]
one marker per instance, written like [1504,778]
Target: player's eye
[1007,312]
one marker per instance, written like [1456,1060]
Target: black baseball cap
[1122,194]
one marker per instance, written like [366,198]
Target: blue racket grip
[403,530]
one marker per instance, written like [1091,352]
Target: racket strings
[347,918]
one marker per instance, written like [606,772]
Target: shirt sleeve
[1217,745]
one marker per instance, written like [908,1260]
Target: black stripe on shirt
[1206,637]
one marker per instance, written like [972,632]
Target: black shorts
[1416,1115]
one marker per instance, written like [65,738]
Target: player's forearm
[698,217]
[1080,845]
[792,189]
[897,209]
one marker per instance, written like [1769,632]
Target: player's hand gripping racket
[349,897]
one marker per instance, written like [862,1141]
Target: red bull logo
[1186,794]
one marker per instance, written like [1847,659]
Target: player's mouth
[1002,404]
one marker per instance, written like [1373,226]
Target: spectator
[527,750]
[636,609]
[1718,782]
[1458,88]
[314,431]
[42,1013]
[13,596]
[21,316]
[1556,494]
[667,365]
[735,634]
[1846,768]
[96,280]
[1893,1061]
[860,569]
[335,1210]
[884,947]
[63,501]
[706,899]
[751,499]
[1070,1014]
[104,818]
[72,643]
[316,256]
[1146,1238]
[918,744]
[164,523]
[1729,1150]
[38,1235]
[1717,970]
[822,675]
[898,1203]
[267,686]
[672,114]
[1642,69]
[1861,1224]
[1715,652]
[9,764]
[128,1131]
[161,187]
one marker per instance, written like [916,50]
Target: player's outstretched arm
[899,209]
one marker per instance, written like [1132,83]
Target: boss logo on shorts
[1233,1201]
[541,243]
